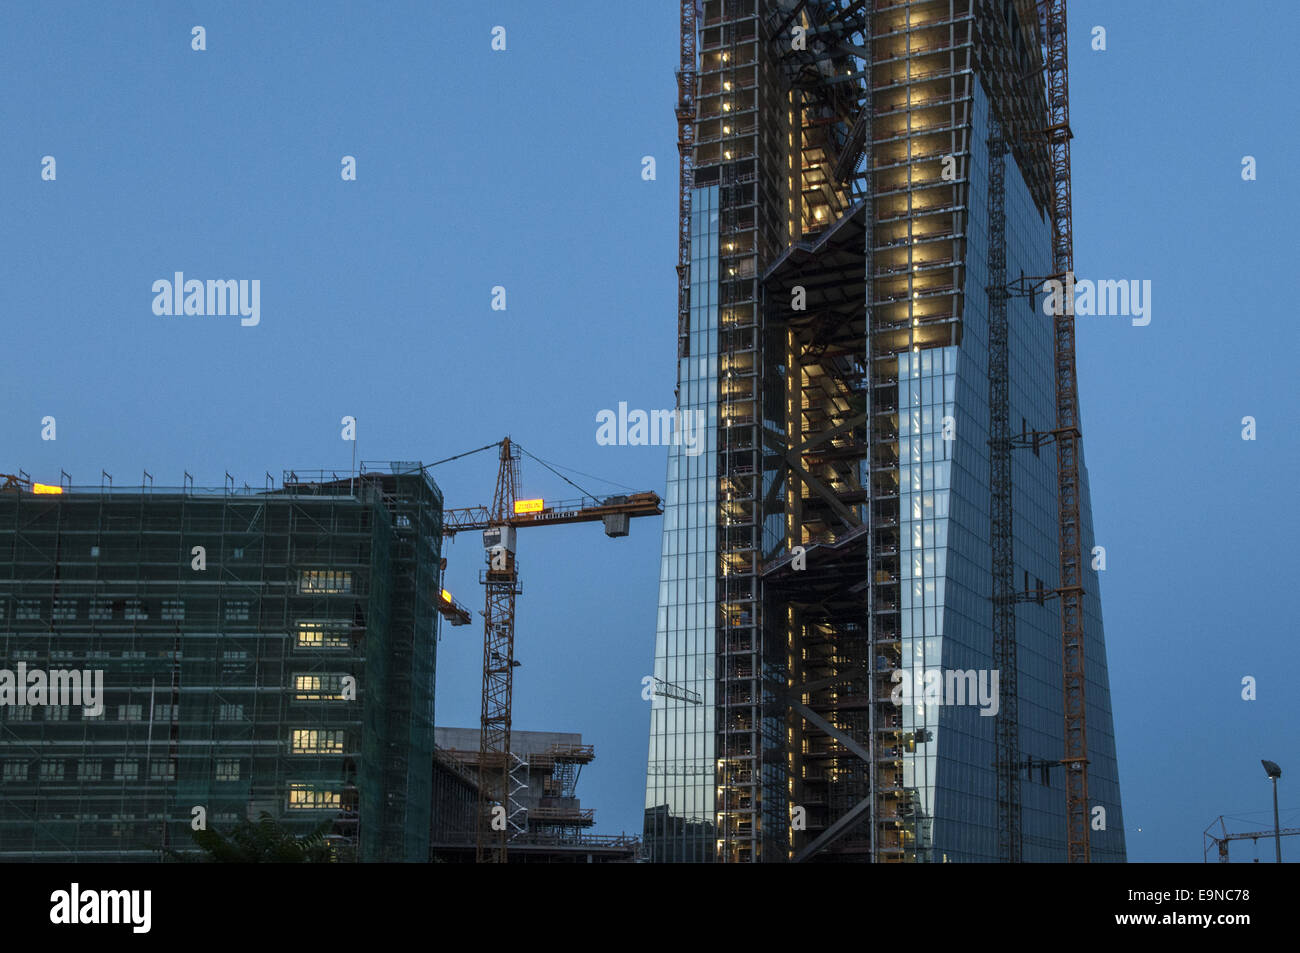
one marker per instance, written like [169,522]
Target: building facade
[258,651]
[864,204]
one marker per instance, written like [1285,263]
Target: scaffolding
[263,649]
[548,767]
[739,81]
[878,118]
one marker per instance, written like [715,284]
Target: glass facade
[955,767]
[926,389]
[851,350]
[679,822]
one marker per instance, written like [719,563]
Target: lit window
[326,580]
[16,770]
[315,741]
[306,797]
[129,712]
[126,770]
[311,688]
[20,712]
[162,770]
[227,769]
[90,771]
[52,769]
[231,713]
[331,634]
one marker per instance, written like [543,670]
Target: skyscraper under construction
[893,495]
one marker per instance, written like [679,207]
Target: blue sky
[522,169]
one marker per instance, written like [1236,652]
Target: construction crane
[1011,131]
[1221,841]
[1068,439]
[498,523]
[686,171]
[17,484]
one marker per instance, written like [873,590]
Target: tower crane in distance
[499,523]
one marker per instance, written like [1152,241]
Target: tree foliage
[264,841]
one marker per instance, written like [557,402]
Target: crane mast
[501,582]
[1069,440]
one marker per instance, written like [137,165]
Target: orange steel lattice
[1068,441]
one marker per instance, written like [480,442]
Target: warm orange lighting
[446,597]
[528,506]
[46,488]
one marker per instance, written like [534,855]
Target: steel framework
[1068,441]
[1221,840]
[685,171]
[501,816]
[1000,514]
[501,580]
[828,126]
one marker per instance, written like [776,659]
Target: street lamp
[1274,772]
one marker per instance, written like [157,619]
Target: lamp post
[1274,772]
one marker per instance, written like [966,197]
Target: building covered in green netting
[255,651]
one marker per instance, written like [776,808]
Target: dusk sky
[523,169]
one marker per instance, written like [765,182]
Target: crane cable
[459,455]
[584,492]
[548,466]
